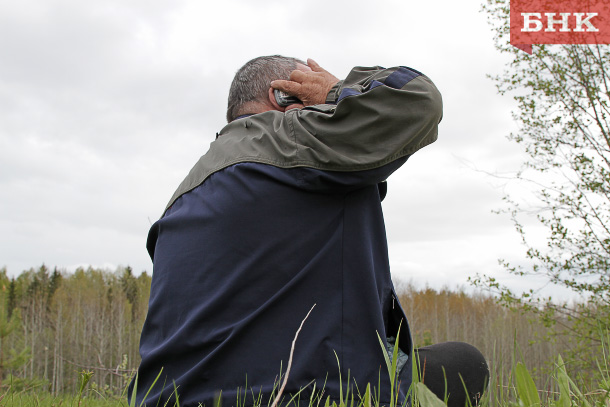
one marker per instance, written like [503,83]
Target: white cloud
[105,107]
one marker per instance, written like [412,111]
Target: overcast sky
[106,105]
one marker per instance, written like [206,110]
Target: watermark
[559,22]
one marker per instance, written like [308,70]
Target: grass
[44,399]
[521,391]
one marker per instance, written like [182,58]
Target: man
[282,216]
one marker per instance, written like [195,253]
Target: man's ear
[274,102]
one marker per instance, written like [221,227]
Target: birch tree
[563,95]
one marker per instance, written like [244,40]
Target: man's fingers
[314,65]
[289,87]
[278,84]
[311,86]
[297,76]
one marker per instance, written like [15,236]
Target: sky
[106,105]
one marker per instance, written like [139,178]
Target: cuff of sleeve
[333,94]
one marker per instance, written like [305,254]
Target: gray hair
[253,80]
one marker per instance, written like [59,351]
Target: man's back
[280,215]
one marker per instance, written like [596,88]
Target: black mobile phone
[283,99]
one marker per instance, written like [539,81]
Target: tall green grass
[521,391]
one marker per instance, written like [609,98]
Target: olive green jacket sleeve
[371,118]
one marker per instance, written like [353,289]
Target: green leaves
[526,389]
[562,94]
[563,382]
[83,380]
[392,366]
[569,394]
[427,398]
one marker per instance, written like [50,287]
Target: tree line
[505,335]
[55,324]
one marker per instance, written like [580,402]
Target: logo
[559,22]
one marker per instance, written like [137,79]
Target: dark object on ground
[453,369]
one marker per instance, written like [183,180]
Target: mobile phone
[283,99]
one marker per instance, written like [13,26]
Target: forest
[54,325]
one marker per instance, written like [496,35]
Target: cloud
[104,108]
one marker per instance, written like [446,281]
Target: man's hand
[311,87]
